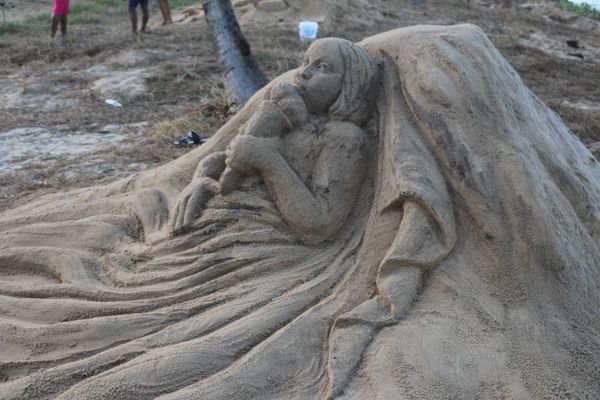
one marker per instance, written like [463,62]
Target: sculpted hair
[360,74]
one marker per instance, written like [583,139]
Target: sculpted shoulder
[345,134]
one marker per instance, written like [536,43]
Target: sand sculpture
[409,221]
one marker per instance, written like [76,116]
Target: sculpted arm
[317,210]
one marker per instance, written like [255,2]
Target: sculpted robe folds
[467,267]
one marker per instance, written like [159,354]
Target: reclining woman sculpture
[314,172]
[414,158]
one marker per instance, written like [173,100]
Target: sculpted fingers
[191,203]
[173,222]
[193,209]
[179,215]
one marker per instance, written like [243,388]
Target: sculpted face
[320,77]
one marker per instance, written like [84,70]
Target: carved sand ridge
[410,222]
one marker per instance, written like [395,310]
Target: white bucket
[308,30]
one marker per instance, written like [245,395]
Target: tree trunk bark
[243,75]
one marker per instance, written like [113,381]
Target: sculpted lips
[300,86]
[299,83]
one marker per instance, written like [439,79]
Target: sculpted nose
[304,73]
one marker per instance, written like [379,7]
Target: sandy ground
[57,132]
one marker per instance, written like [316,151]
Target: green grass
[581,9]
[180,3]
[79,14]
[34,24]
[112,3]
[173,4]
[86,8]
[85,14]
[11,28]
[43,18]
[80,19]
[96,12]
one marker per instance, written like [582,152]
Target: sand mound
[423,228]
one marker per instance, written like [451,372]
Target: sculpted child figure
[282,111]
[304,142]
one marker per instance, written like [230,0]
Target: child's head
[289,101]
[337,78]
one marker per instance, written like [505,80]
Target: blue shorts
[134,3]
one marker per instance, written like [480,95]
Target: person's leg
[161,5]
[63,17]
[55,18]
[166,11]
[133,15]
[63,24]
[145,15]
[54,25]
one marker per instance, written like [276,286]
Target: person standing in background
[61,9]
[166,11]
[133,14]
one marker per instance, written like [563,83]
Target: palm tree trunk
[243,75]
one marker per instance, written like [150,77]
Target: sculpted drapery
[441,179]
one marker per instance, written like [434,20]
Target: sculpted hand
[249,155]
[190,203]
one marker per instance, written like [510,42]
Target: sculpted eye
[325,67]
